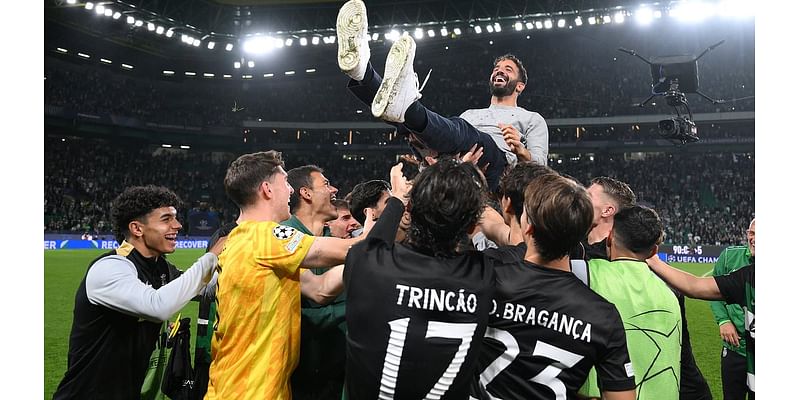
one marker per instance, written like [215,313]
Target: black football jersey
[546,330]
[415,322]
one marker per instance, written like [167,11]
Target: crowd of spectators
[703,198]
[571,75]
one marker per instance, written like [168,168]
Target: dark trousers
[444,135]
[734,375]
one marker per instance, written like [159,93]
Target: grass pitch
[64,270]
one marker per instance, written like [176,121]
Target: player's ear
[305,193]
[520,87]
[505,205]
[265,190]
[136,228]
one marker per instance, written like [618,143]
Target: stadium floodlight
[269,75]
[548,23]
[431,33]
[61,50]
[592,20]
[489,29]
[393,35]
[657,14]
[619,17]
[84,55]
[303,41]
[332,38]
[418,33]
[138,23]
[237,65]
[117,15]
[289,73]
[72,1]
[497,27]
[126,66]
[89,5]
[211,45]
[108,12]
[190,73]
[643,16]
[247,76]
[529,25]
[311,70]
[185,147]
[169,33]
[477,29]
[443,31]
[105,61]
[208,75]
[151,26]
[168,72]
[692,11]
[457,31]
[561,23]
[278,43]
[129,19]
[229,47]
[518,26]
[100,9]
[257,45]
[578,21]
[227,76]
[315,39]
[196,43]
[606,19]
[159,30]
[251,64]
[375,36]
[166,146]
[539,25]
[289,42]
[735,8]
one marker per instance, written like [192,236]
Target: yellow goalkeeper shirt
[256,339]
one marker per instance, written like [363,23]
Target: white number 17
[394,354]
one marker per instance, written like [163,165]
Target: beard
[503,91]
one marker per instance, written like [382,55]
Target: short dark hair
[341,204]
[523,74]
[445,202]
[515,181]
[297,178]
[364,195]
[246,173]
[637,229]
[135,202]
[619,191]
[560,212]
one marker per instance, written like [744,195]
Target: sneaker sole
[396,61]
[351,25]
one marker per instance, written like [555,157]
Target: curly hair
[366,194]
[445,202]
[135,202]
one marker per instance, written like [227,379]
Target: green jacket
[320,370]
[731,259]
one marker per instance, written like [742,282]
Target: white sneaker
[400,86]
[351,32]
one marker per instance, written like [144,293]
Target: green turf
[64,269]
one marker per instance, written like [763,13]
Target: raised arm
[686,283]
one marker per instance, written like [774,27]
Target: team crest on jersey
[283,232]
